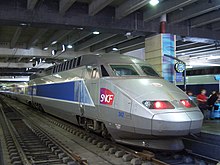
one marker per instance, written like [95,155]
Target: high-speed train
[115,95]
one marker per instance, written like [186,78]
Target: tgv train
[116,95]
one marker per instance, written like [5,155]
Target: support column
[163,21]
[155,49]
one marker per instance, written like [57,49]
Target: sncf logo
[106,96]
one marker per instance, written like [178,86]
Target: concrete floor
[211,127]
[1,152]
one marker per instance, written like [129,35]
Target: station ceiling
[28,29]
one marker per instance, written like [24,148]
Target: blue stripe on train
[69,91]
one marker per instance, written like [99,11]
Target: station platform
[1,149]
[211,127]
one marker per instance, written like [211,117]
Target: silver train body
[117,95]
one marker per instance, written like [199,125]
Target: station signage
[217,77]
[179,67]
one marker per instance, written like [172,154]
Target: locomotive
[115,95]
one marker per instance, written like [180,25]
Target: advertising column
[156,48]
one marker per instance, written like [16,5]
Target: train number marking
[106,96]
[121,114]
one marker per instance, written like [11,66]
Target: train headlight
[187,103]
[158,105]
[147,104]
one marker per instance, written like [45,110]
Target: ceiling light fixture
[154,2]
[95,32]
[63,48]
[54,42]
[46,48]
[23,24]
[69,46]
[80,28]
[53,52]
[115,49]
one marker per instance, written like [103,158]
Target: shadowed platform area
[211,127]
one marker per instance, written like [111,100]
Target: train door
[94,90]
[88,93]
[81,100]
[81,96]
[79,90]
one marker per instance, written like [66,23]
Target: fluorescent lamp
[213,57]
[96,32]
[154,2]
[203,64]
[80,28]
[23,24]
[54,42]
[69,46]
[63,48]
[53,52]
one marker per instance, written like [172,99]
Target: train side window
[66,65]
[60,67]
[53,70]
[149,71]
[95,73]
[73,63]
[104,71]
[63,66]
[70,64]
[124,70]
[78,61]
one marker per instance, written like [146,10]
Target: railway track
[28,144]
[114,153]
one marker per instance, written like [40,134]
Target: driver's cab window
[95,73]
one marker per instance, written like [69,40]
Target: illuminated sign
[106,96]
[179,67]
[217,77]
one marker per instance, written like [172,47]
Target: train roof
[88,59]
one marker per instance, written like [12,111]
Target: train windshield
[149,71]
[124,70]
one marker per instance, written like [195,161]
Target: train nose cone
[196,121]
[154,89]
